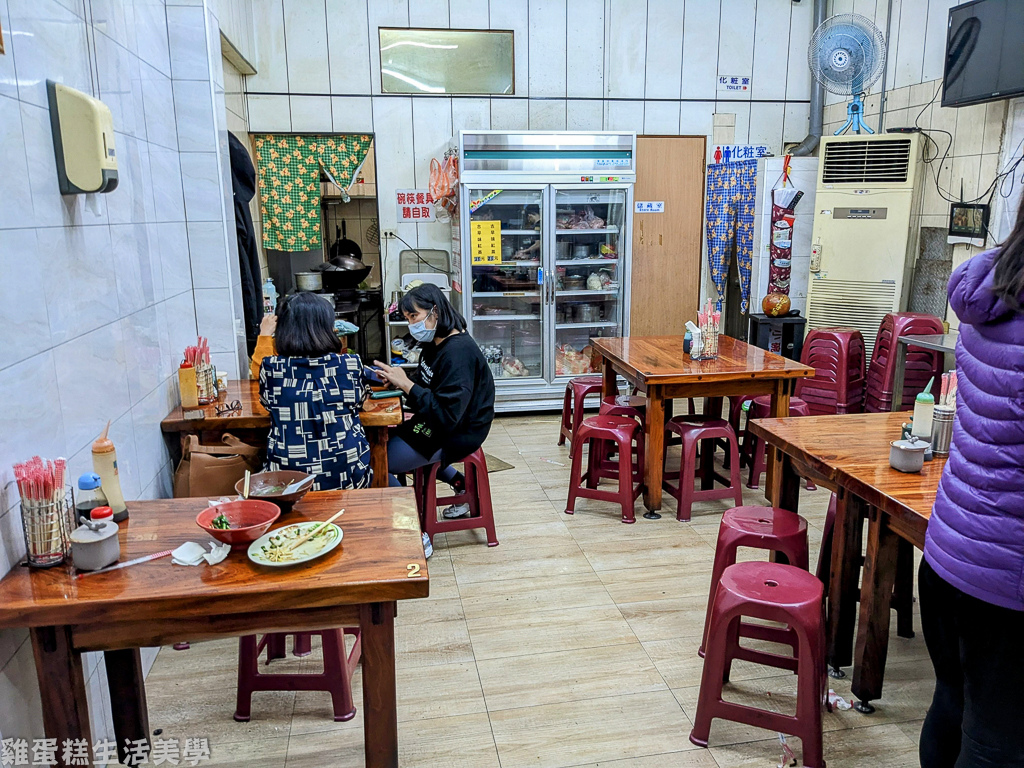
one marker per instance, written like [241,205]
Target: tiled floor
[573,643]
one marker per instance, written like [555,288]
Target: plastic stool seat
[765,528]
[576,392]
[693,429]
[335,679]
[771,592]
[627,437]
[477,495]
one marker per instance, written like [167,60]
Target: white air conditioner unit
[864,245]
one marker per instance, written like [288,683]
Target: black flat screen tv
[984,52]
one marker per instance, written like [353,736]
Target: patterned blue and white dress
[314,410]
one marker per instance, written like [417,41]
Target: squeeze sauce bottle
[924,407]
[104,463]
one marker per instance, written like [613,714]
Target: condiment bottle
[90,495]
[924,407]
[104,462]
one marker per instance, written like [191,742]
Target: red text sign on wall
[414,205]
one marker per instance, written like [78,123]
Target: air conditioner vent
[849,303]
[865,162]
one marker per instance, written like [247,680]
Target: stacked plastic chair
[838,358]
[922,364]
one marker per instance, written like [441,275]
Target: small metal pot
[907,455]
[309,281]
[94,544]
[563,249]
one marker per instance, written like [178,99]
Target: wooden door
[667,246]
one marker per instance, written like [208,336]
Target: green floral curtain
[289,183]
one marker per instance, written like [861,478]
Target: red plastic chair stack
[766,528]
[922,364]
[771,592]
[838,358]
[477,495]
[336,677]
[693,429]
[576,391]
[606,433]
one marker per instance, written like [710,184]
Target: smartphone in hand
[372,375]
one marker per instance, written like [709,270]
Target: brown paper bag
[213,470]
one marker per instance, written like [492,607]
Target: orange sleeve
[264,348]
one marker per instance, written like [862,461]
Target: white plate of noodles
[274,548]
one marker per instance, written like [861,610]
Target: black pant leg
[992,655]
[940,735]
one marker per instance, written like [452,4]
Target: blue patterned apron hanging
[730,216]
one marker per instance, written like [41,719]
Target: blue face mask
[420,332]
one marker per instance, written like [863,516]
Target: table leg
[380,707]
[609,385]
[654,467]
[875,596]
[378,439]
[844,575]
[62,689]
[127,686]
[712,408]
[779,410]
[898,375]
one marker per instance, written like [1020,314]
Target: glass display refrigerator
[544,246]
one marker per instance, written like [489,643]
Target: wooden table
[850,455]
[658,367]
[253,421]
[158,603]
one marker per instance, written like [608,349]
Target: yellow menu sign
[485,242]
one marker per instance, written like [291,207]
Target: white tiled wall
[646,66]
[98,293]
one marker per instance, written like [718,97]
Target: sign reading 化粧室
[485,242]
[732,153]
[414,205]
[733,83]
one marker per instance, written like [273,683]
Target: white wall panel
[352,114]
[547,45]
[700,48]
[736,40]
[771,57]
[766,122]
[382,13]
[625,48]
[695,118]
[471,114]
[432,129]
[547,114]
[798,74]
[661,117]
[585,115]
[935,39]
[664,48]
[509,114]
[910,42]
[585,49]
[306,39]
[624,116]
[469,14]
[349,48]
[430,14]
[514,15]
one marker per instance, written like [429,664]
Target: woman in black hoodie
[451,393]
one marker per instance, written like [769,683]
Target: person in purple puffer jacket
[971,582]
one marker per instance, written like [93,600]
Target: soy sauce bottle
[90,495]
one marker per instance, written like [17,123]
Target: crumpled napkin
[191,553]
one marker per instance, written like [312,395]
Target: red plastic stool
[693,429]
[772,592]
[576,391]
[623,433]
[336,678]
[625,405]
[770,528]
[477,495]
[756,453]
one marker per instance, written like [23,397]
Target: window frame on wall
[412,91]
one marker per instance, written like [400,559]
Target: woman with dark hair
[313,394]
[971,580]
[451,393]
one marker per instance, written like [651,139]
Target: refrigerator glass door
[589,260]
[506,288]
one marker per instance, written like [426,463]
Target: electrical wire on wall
[998,183]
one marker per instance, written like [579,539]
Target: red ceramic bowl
[250,519]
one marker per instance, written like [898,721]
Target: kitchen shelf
[614,292]
[524,232]
[584,262]
[511,263]
[486,318]
[505,294]
[602,231]
[570,326]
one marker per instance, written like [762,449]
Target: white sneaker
[428,548]
[455,511]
